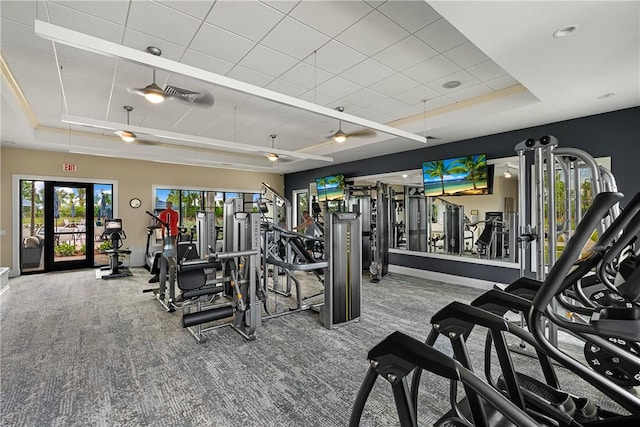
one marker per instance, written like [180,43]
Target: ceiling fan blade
[146,142]
[362,133]
[136,91]
[428,137]
[195,98]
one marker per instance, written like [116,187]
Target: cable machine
[343,279]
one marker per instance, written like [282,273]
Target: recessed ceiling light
[404,175]
[452,84]
[606,95]
[564,32]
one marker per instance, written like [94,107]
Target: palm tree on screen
[473,166]
[437,169]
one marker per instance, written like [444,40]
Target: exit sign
[70,167]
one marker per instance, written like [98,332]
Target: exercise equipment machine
[165,265]
[114,234]
[416,215]
[373,203]
[398,355]
[239,289]
[343,290]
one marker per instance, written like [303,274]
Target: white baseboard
[443,277]
[4,276]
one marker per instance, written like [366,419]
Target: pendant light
[125,135]
[340,136]
[507,173]
[154,93]
[272,156]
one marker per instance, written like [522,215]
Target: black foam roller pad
[199,317]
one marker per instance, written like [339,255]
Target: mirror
[472,225]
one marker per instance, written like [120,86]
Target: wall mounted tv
[330,188]
[459,176]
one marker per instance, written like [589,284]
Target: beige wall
[135,178]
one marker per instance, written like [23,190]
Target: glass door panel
[68,225]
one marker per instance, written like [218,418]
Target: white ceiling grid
[381,60]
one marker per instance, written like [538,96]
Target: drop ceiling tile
[338,87]
[268,61]
[372,34]
[111,11]
[36,67]
[19,11]
[410,15]
[441,35]
[405,53]
[220,43]
[250,19]
[283,6]
[71,54]
[141,72]
[206,62]
[84,23]
[502,82]
[250,76]
[318,98]
[166,23]
[335,57]
[165,118]
[403,113]
[330,17]
[306,75]
[20,35]
[435,103]
[368,114]
[286,88]
[364,97]
[487,70]
[431,69]
[394,84]
[466,55]
[197,9]
[43,99]
[140,41]
[367,72]
[463,77]
[87,106]
[470,92]
[414,96]
[387,106]
[229,98]
[78,70]
[294,39]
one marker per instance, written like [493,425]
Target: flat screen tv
[330,188]
[460,176]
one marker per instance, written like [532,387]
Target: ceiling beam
[103,47]
[197,140]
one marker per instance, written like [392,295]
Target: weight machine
[373,203]
[566,163]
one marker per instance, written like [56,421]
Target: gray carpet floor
[76,351]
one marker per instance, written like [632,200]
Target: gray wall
[615,134]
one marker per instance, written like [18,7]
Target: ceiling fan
[275,157]
[155,94]
[340,136]
[127,135]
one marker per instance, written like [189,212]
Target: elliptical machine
[165,265]
[114,233]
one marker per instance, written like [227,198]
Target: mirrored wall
[463,213]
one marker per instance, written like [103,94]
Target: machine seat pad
[197,264]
